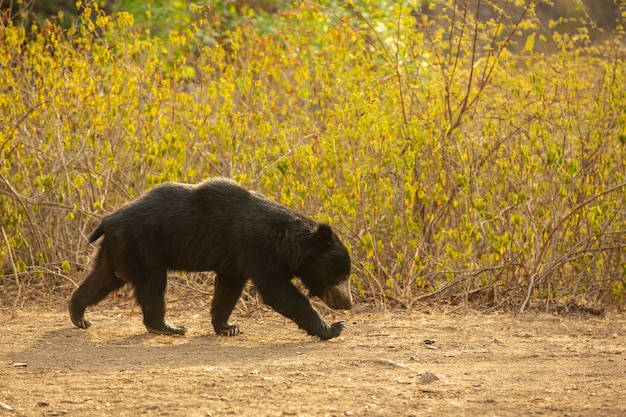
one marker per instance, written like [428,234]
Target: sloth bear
[218,226]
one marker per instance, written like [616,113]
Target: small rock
[428,377]
[6,407]
[57,413]
[403,381]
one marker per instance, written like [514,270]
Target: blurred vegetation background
[468,152]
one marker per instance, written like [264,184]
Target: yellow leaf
[530,43]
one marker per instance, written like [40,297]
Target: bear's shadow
[77,349]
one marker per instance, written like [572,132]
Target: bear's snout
[338,297]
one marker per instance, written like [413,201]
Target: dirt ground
[382,365]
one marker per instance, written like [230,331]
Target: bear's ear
[323,234]
[302,245]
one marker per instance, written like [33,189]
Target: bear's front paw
[81,323]
[332,331]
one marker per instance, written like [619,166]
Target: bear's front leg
[291,303]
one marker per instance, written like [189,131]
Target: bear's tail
[96,233]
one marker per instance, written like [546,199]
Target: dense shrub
[453,167]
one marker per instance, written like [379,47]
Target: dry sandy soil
[382,365]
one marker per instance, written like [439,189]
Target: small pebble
[428,377]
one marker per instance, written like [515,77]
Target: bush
[457,162]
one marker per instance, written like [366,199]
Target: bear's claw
[231,330]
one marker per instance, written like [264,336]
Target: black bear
[218,226]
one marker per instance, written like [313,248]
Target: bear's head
[325,269]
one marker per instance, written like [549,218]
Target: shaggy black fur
[217,226]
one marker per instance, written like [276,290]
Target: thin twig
[15,274]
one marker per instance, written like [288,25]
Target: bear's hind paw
[168,330]
[230,330]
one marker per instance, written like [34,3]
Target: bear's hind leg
[150,294]
[228,289]
[100,283]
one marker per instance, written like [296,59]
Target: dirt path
[486,365]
